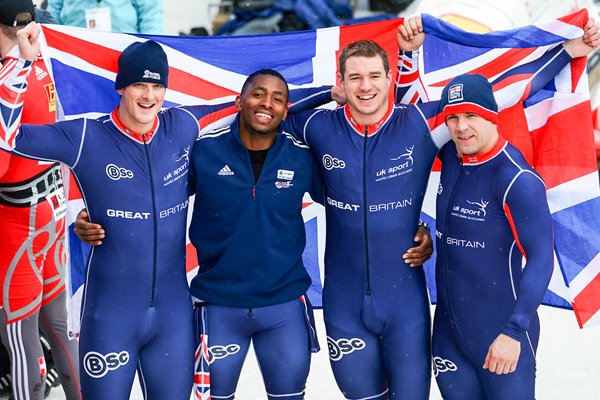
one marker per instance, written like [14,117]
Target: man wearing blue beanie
[492,218]
[142,62]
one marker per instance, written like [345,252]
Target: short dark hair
[363,48]
[265,71]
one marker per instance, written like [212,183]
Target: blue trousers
[280,335]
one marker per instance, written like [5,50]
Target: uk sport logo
[475,210]
[97,365]
[402,165]
[339,348]
[185,154]
[482,205]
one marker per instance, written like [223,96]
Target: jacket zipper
[254,180]
[154,222]
[365,215]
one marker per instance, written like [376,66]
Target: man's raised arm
[15,85]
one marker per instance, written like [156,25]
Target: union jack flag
[201,357]
[553,128]
[203,70]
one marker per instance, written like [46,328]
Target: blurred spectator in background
[43,16]
[268,16]
[132,16]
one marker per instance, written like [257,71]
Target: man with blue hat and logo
[492,218]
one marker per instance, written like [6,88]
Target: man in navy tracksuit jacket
[247,227]
[132,168]
[492,215]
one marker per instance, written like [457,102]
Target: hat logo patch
[455,93]
[151,75]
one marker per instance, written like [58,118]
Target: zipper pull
[253,192]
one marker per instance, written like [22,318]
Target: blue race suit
[250,238]
[137,310]
[491,214]
[376,308]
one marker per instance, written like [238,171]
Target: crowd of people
[249,178]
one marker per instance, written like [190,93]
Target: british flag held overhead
[553,128]
[203,70]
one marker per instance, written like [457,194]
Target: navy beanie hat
[142,62]
[470,93]
[10,8]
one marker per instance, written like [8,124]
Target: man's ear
[285,113]
[238,102]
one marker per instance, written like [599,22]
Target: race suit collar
[114,116]
[474,159]
[374,128]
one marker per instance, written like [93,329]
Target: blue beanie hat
[142,62]
[470,93]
